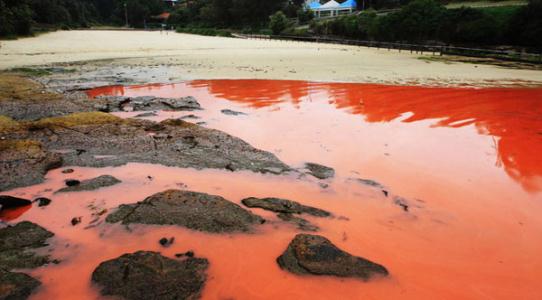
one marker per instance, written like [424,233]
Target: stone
[316,255]
[12,202]
[72,182]
[67,171]
[279,205]
[16,286]
[230,112]
[193,210]
[16,243]
[320,171]
[76,220]
[42,201]
[148,103]
[91,184]
[149,275]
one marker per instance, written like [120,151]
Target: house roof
[349,3]
[330,4]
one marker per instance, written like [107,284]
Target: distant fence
[413,48]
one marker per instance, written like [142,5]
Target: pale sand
[199,57]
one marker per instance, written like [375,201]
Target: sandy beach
[198,57]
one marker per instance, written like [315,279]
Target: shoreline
[182,57]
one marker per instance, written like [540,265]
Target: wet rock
[149,275]
[147,115]
[72,182]
[166,242]
[42,201]
[279,205]
[15,286]
[67,171]
[92,184]
[16,243]
[26,162]
[301,223]
[320,171]
[193,210]
[230,112]
[76,220]
[316,255]
[106,140]
[13,202]
[191,116]
[148,103]
[401,202]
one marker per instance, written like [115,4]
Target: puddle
[466,160]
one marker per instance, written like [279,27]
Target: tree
[278,22]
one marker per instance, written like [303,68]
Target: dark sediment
[193,210]
[301,223]
[92,184]
[149,275]
[316,255]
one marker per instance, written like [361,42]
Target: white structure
[331,8]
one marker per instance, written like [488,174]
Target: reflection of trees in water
[512,116]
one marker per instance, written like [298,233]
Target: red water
[467,160]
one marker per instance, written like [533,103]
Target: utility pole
[126,13]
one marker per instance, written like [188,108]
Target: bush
[278,22]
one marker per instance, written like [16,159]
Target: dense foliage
[18,17]
[429,21]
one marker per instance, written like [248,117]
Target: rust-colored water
[468,161]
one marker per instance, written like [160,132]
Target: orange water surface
[468,161]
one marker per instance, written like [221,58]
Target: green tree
[278,22]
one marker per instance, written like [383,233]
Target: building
[332,8]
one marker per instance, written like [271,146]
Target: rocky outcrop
[320,171]
[92,184]
[26,162]
[99,140]
[197,211]
[145,103]
[16,286]
[17,243]
[230,112]
[316,255]
[149,275]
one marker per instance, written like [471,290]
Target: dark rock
[316,255]
[16,286]
[149,275]
[67,171]
[42,201]
[166,242]
[72,182]
[193,210]
[320,171]
[26,162]
[230,112]
[17,241]
[301,223]
[13,202]
[191,116]
[76,220]
[279,205]
[92,184]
